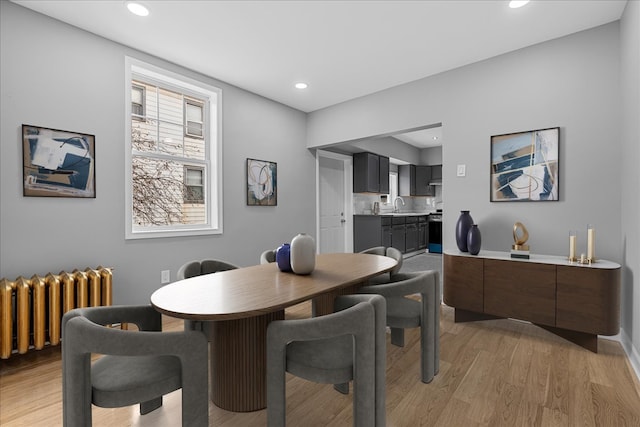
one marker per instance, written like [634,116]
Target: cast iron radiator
[31,309]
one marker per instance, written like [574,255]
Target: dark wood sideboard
[577,302]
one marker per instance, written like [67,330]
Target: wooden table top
[261,289]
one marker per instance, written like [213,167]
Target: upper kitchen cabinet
[370,173]
[436,174]
[414,181]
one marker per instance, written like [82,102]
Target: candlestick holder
[591,243]
[573,237]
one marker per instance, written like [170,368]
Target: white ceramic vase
[303,254]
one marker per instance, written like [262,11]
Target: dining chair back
[404,312]
[198,268]
[332,349]
[136,366]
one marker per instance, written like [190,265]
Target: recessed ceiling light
[514,4]
[137,8]
[435,138]
[301,85]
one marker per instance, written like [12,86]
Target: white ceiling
[342,49]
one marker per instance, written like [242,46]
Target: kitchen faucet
[395,206]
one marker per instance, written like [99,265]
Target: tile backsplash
[363,203]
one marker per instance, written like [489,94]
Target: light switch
[462,170]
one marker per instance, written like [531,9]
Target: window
[137,102]
[393,187]
[193,118]
[194,185]
[173,154]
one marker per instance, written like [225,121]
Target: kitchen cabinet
[366,232]
[386,231]
[370,173]
[436,173]
[423,230]
[414,181]
[406,233]
[398,233]
[411,234]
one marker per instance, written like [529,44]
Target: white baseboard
[632,352]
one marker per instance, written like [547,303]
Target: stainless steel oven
[435,232]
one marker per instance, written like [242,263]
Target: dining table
[240,304]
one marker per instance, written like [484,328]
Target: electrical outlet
[165,276]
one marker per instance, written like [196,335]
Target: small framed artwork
[524,166]
[262,183]
[58,163]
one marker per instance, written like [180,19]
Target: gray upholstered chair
[198,268]
[268,256]
[349,344]
[136,366]
[405,312]
[390,252]
[207,266]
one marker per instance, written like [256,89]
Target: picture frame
[525,166]
[262,183]
[57,163]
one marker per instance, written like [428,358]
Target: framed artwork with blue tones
[58,163]
[262,183]
[524,166]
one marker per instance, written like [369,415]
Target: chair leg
[397,336]
[342,388]
[150,405]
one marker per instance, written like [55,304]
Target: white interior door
[334,200]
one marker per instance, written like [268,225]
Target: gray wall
[630,184]
[57,76]
[571,82]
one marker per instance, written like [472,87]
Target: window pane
[144,135]
[194,177]
[170,139]
[160,194]
[136,95]
[194,128]
[194,148]
[194,112]
[170,108]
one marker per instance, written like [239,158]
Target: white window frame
[213,183]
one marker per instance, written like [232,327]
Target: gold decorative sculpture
[520,237]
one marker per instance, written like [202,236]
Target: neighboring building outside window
[173,147]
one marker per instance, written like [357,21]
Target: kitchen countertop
[398,214]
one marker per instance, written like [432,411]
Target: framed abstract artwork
[262,183]
[524,166]
[58,163]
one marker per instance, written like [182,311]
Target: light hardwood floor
[492,373]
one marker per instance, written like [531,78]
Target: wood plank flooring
[492,373]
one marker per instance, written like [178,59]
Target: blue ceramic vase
[283,257]
[474,240]
[462,229]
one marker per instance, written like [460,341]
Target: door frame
[348,196]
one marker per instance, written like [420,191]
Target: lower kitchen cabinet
[411,234]
[366,232]
[423,230]
[398,233]
[386,231]
[405,233]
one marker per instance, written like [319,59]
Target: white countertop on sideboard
[542,259]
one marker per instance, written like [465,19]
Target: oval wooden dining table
[240,304]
